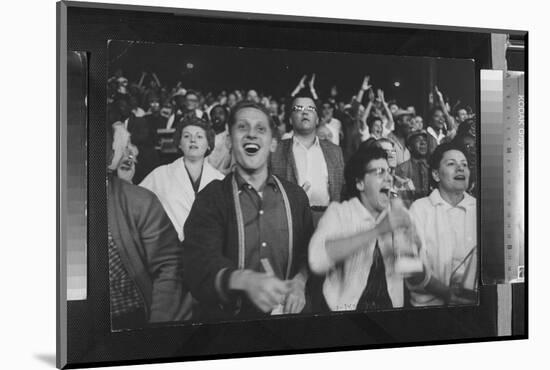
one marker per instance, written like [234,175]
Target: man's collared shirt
[265,226]
[312,169]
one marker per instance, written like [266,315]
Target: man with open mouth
[245,247]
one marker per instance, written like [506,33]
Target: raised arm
[156,79]
[312,88]
[365,86]
[390,124]
[299,87]
[143,74]
[451,124]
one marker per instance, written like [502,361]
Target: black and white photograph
[249,183]
[239,184]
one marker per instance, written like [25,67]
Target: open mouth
[460,177]
[251,148]
[389,192]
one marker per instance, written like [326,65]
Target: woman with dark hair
[445,222]
[353,247]
[177,183]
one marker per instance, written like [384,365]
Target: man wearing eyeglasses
[353,247]
[187,103]
[316,165]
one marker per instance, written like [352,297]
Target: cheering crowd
[300,204]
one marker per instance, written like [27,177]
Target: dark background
[277,72]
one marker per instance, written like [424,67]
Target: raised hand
[302,82]
[371,95]
[365,85]
[439,95]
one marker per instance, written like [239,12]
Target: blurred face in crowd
[252,95]
[180,102]
[341,106]
[304,116]
[252,140]
[324,133]
[154,105]
[393,108]
[193,143]
[419,146]
[390,150]
[375,185]
[418,123]
[469,144]
[461,115]
[404,124]
[438,120]
[328,111]
[273,107]
[453,173]
[218,116]
[376,129]
[191,102]
[166,110]
[231,100]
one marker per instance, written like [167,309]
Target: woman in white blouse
[176,183]
[445,222]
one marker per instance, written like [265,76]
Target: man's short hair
[357,166]
[250,104]
[437,156]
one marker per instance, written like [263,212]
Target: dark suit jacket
[283,165]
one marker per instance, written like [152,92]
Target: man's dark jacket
[283,165]
[211,244]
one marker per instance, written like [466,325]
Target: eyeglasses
[300,108]
[379,171]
